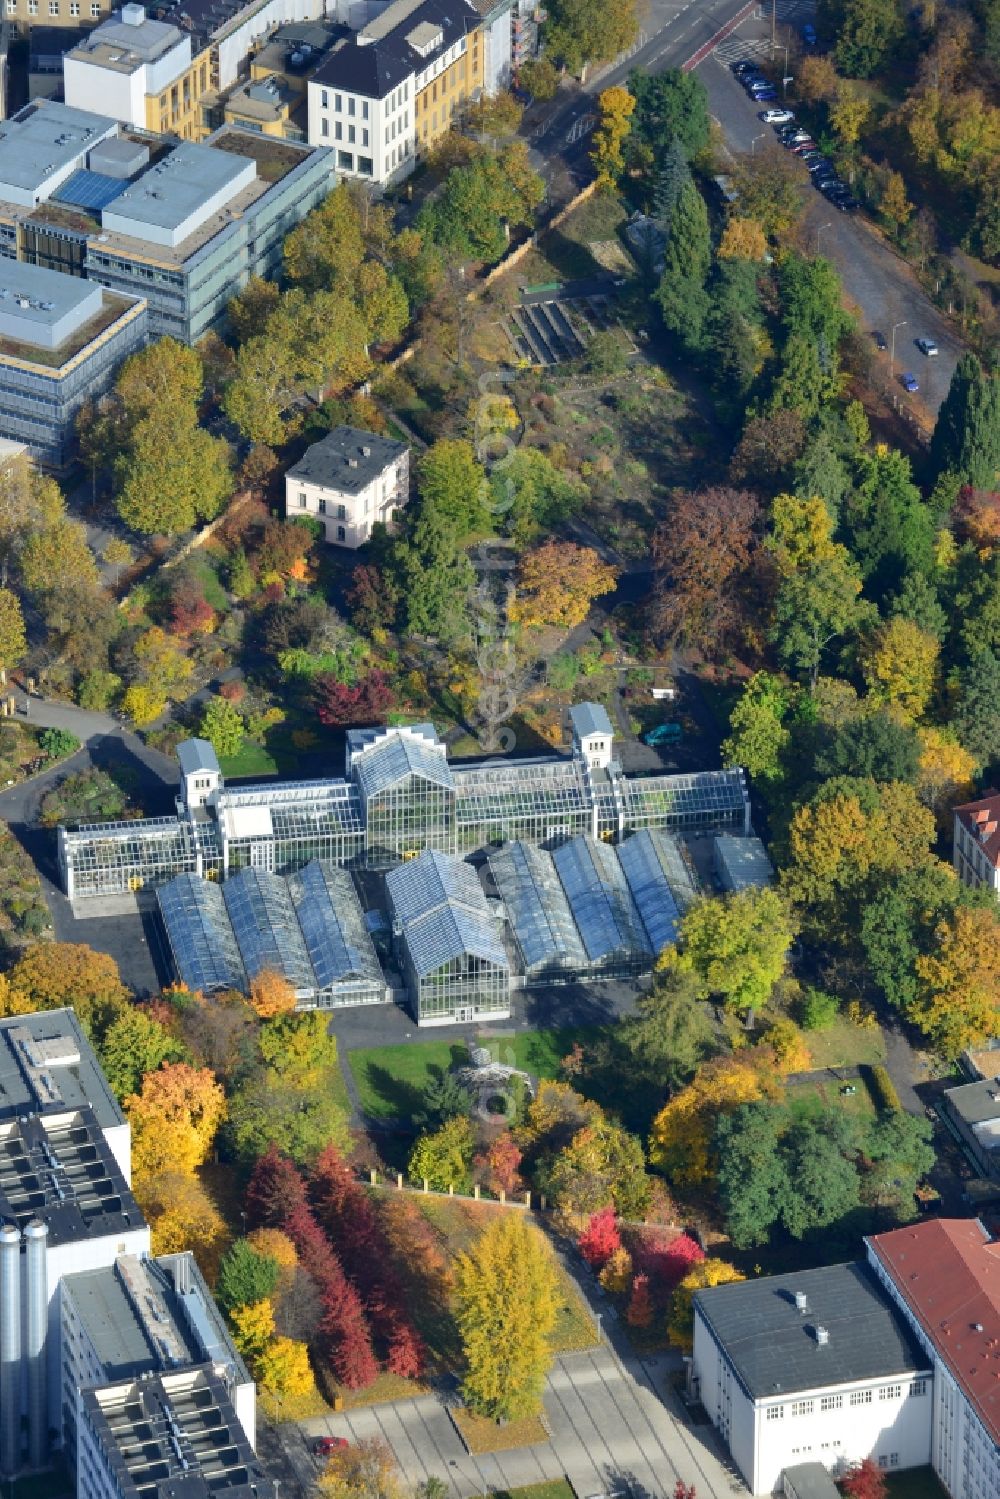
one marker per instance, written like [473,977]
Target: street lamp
[819,231]
[892,350]
[789,78]
[753,143]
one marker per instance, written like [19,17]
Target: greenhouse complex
[582,870]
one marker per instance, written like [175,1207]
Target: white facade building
[976,849]
[813,1367]
[117,64]
[593,736]
[349,481]
[944,1276]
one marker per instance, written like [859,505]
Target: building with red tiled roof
[944,1275]
[976,849]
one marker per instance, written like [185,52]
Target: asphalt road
[878,281]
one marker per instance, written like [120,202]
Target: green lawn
[816,1097]
[556,1488]
[391,1079]
[845,1045]
[250,760]
[917,1483]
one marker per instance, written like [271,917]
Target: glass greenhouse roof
[200,934]
[432,880]
[599,898]
[703,793]
[267,929]
[647,880]
[536,903]
[333,924]
[503,792]
[450,932]
[390,762]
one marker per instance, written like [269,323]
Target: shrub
[600,1239]
[57,744]
[818,1010]
[97,690]
[883,1090]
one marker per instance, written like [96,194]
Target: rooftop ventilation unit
[801,1301]
[822,1336]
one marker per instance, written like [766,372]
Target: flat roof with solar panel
[90,190]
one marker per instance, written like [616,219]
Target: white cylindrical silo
[36,1323]
[10,1348]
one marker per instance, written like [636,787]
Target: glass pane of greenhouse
[602,906]
[200,935]
[705,798]
[650,887]
[267,929]
[539,801]
[110,858]
[282,827]
[423,884]
[333,926]
[537,908]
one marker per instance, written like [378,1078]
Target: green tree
[529,494]
[753,1175]
[888,528]
[671,176]
[966,438]
[453,487]
[818,598]
[874,745]
[172,473]
[977,714]
[579,32]
[681,293]
[769,188]
[918,600]
[758,731]
[736,945]
[133,1045]
[669,1033]
[245,1277]
[506,1292]
[444,1158]
[736,344]
[671,116]
[898,1148]
[435,578]
[824,1181]
[13,641]
[222,724]
[166,374]
[443,1097]
[479,203]
[869,32]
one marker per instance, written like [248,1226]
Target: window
[918,1387]
[302,502]
[32,7]
[775,1412]
[322,507]
[364,109]
[831,1402]
[890,1392]
[345,160]
[74,8]
[366,166]
[364,137]
[324,127]
[338,131]
[341,534]
[341,512]
[893,1459]
[95,9]
[324,99]
[351,134]
[338,102]
[53,7]
[883,1461]
[350,106]
[11,7]
[861,1397]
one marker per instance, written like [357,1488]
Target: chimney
[822,1336]
[36,1323]
[801,1302]
[366,452]
[10,1349]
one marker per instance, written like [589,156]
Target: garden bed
[482,1435]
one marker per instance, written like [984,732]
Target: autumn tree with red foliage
[345,1211]
[976,517]
[701,554]
[666,1258]
[342,1338]
[864,1480]
[190,611]
[275,1190]
[684,1490]
[600,1239]
[640,1306]
[368,701]
[373,598]
[497,1166]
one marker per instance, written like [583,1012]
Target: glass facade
[541,801]
[113,858]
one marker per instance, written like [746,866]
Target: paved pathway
[608,1428]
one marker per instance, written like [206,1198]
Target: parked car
[846,205]
[878,339]
[927,346]
[757,85]
[796,138]
[809,37]
[324,1446]
[909,382]
[776,116]
[834,188]
[820,166]
[664,733]
[762,95]
[743,66]
[798,147]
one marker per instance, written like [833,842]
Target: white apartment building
[122,61]
[976,849]
[819,1366]
[349,480]
[944,1277]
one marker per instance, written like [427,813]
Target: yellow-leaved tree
[283,1369]
[680,1142]
[958,1001]
[742,239]
[710,1272]
[253,1328]
[946,769]
[271,994]
[736,945]
[182,1215]
[616,106]
[900,664]
[174,1118]
[505,1297]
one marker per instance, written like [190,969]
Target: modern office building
[181,225]
[308,927]
[976,849]
[383,97]
[973,1111]
[83,1306]
[399,796]
[943,1275]
[448,940]
[349,481]
[819,1366]
[62,342]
